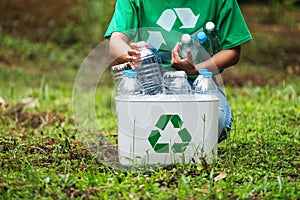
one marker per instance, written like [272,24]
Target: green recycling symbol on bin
[165,147]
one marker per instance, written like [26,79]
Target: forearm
[118,47]
[121,50]
[221,60]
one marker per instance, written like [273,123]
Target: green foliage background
[63,22]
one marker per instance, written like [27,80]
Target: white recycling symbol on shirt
[186,16]
[167,21]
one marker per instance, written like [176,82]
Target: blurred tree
[96,16]
[274,11]
[253,1]
[285,2]
[291,2]
[63,22]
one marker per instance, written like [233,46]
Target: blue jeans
[225,115]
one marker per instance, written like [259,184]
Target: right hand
[184,64]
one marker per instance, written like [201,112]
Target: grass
[260,158]
[43,157]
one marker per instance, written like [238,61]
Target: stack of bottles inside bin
[148,78]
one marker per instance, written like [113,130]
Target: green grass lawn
[43,157]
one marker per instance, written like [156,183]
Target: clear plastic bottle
[213,37]
[202,54]
[206,88]
[199,78]
[117,72]
[199,53]
[175,82]
[130,85]
[188,43]
[149,70]
[205,42]
[121,81]
[201,37]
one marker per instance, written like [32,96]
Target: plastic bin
[166,129]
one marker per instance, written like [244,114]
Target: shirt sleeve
[124,19]
[232,26]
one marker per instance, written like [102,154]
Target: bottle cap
[125,72]
[210,26]
[201,71]
[131,73]
[201,37]
[186,38]
[207,74]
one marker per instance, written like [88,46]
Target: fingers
[134,46]
[185,64]
[139,45]
[132,55]
[133,52]
[132,66]
[175,54]
[189,56]
[134,58]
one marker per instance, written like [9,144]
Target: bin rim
[164,98]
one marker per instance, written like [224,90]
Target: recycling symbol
[165,147]
[167,21]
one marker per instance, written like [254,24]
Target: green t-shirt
[162,22]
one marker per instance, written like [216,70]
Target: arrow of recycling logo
[165,147]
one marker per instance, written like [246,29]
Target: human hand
[185,64]
[135,53]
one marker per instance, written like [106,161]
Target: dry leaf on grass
[220,176]
[30,102]
[113,134]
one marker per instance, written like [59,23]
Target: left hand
[185,64]
[135,53]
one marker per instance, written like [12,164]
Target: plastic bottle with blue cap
[202,53]
[122,80]
[206,88]
[201,37]
[117,72]
[199,77]
[130,85]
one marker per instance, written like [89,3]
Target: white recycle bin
[166,129]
